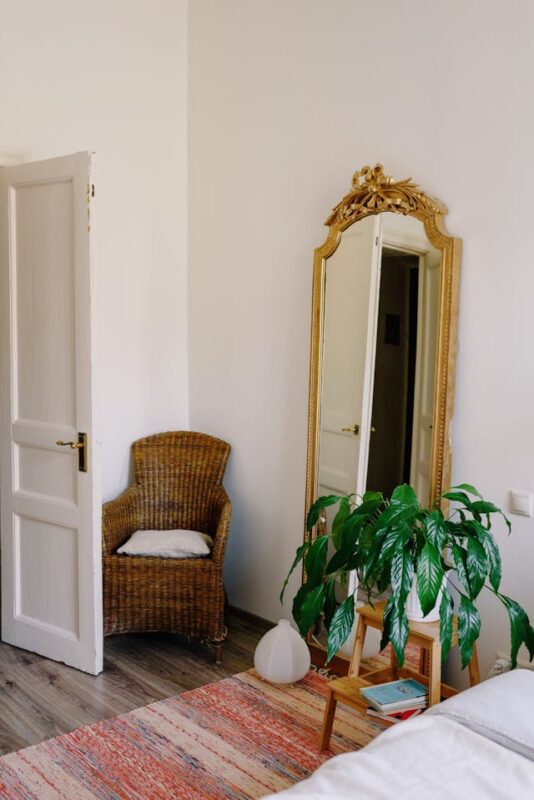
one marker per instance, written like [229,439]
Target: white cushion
[168,544]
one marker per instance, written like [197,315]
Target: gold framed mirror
[383,342]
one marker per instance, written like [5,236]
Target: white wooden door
[349,343]
[50,509]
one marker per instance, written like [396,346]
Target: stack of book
[396,700]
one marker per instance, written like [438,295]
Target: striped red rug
[238,738]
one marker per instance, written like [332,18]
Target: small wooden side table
[423,634]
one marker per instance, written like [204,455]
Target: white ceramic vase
[281,655]
[413,609]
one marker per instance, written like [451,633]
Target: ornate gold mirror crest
[375,193]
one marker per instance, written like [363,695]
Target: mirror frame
[374,192]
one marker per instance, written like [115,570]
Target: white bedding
[435,757]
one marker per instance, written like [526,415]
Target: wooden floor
[40,699]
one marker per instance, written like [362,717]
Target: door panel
[351,294]
[43,275]
[45,472]
[51,563]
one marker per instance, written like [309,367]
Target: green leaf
[311,608]
[315,560]
[340,627]
[383,579]
[398,632]
[455,529]
[466,487]
[395,538]
[446,615]
[330,603]
[484,507]
[468,628]
[299,556]
[529,640]
[435,530]
[402,570]
[298,601]
[316,508]
[374,552]
[347,550]
[429,577]
[477,566]
[404,495]
[368,508]
[366,540]
[460,562]
[457,497]
[390,605]
[340,518]
[351,530]
[395,514]
[494,560]
[339,561]
[519,627]
[373,497]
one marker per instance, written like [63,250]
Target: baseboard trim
[241,612]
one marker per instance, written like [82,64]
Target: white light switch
[521,503]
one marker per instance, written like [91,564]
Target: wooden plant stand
[423,634]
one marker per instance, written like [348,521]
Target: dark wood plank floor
[40,699]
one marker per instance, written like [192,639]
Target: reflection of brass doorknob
[355,429]
[373,429]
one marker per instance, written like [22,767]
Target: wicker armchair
[178,485]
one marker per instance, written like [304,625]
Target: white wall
[110,76]
[287,99]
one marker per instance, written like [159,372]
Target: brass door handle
[81,447]
[355,429]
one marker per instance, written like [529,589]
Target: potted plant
[393,544]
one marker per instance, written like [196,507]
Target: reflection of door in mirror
[403,392]
[381,299]
[348,332]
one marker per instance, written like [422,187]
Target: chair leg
[218,652]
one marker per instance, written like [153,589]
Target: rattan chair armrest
[120,518]
[221,514]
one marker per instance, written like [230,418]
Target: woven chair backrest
[176,472]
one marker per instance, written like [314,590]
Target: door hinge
[92,190]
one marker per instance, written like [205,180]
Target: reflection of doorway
[390,451]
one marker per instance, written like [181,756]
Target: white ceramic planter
[414,612]
[282,656]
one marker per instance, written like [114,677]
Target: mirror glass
[378,358]
[378,351]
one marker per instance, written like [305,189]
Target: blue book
[406,693]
